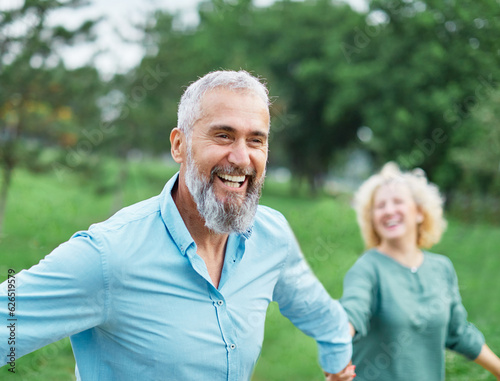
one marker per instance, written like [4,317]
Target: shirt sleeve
[303,300]
[359,297]
[462,337]
[62,295]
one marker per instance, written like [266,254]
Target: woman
[403,302]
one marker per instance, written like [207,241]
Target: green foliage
[436,60]
[313,80]
[41,104]
[314,112]
[480,134]
[476,150]
[413,72]
[325,228]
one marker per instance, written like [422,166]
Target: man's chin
[231,200]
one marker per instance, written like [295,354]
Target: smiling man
[177,287]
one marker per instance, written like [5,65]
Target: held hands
[347,374]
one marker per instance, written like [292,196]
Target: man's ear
[178,145]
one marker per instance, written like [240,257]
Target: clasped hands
[346,374]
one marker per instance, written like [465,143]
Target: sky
[109,53]
[118,15]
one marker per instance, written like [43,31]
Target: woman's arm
[489,361]
[360,296]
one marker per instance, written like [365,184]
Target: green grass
[45,210]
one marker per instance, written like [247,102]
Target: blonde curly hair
[426,195]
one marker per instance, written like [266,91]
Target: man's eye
[257,142]
[222,136]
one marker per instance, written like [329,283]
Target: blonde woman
[403,302]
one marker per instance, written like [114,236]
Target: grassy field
[45,210]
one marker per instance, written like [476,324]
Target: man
[177,287]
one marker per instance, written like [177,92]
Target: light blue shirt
[138,303]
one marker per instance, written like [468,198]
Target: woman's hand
[347,374]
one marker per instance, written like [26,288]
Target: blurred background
[89,93]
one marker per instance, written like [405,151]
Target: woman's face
[395,214]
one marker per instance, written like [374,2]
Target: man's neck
[211,247]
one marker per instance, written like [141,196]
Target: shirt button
[220,302]
[414,269]
[232,346]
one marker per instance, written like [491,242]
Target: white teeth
[391,223]
[234,179]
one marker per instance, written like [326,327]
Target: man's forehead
[220,103]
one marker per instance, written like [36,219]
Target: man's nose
[239,154]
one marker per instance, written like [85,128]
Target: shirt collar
[174,222]
[172,218]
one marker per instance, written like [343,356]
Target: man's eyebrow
[222,127]
[233,130]
[260,133]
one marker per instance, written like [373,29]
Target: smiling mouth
[391,224]
[231,180]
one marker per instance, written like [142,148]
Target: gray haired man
[177,287]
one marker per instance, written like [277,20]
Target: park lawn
[46,209]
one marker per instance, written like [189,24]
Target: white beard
[236,213]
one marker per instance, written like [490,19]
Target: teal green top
[405,318]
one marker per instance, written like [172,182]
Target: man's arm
[62,295]
[304,300]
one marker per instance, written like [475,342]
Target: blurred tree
[309,73]
[295,45]
[176,56]
[481,151]
[409,70]
[478,155]
[147,96]
[35,110]
[81,93]
[141,107]
[430,63]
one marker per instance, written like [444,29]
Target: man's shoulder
[269,215]
[270,222]
[131,215]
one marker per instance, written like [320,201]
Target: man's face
[226,159]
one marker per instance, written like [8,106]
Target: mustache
[233,171]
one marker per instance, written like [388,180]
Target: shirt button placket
[227,332]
